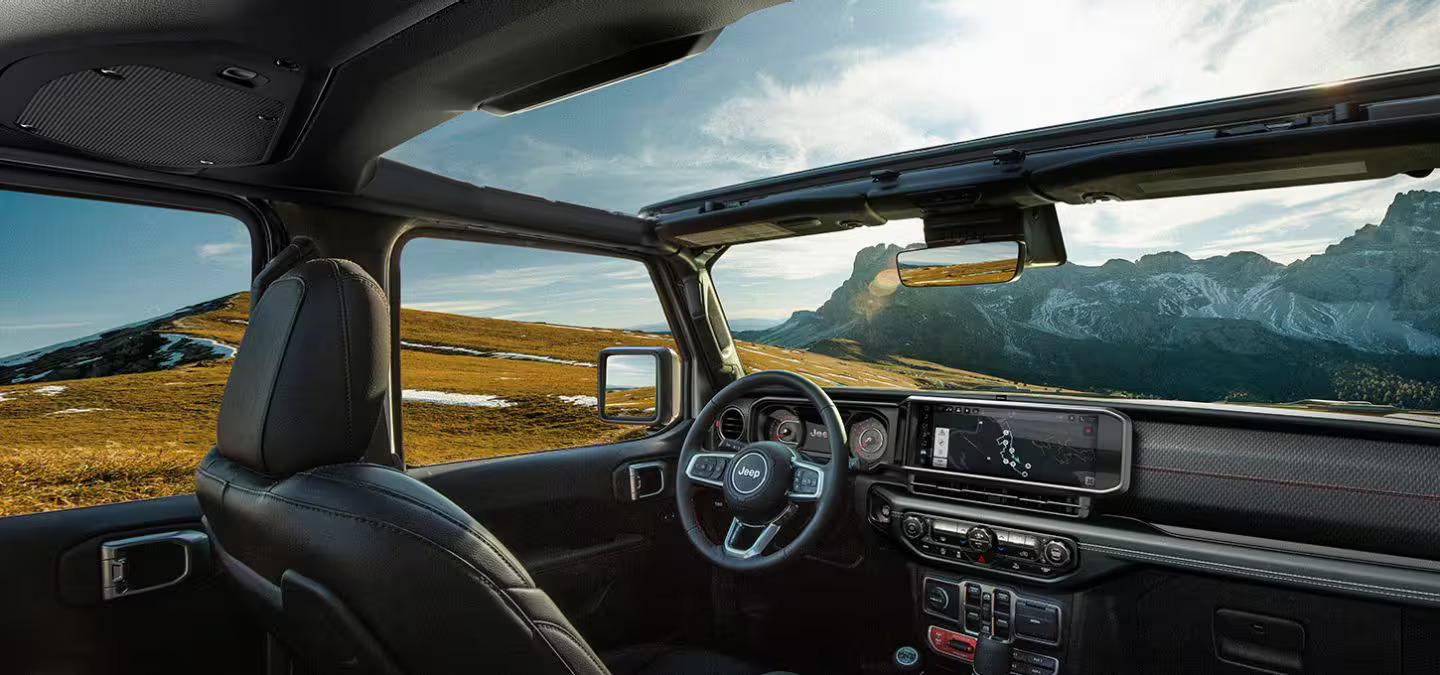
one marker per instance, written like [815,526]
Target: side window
[118,325]
[499,343]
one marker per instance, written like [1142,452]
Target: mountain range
[1360,321]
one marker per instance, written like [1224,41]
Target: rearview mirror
[639,385]
[989,262]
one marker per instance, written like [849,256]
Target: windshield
[816,82]
[1317,297]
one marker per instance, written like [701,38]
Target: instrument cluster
[867,430]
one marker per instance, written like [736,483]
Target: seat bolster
[563,637]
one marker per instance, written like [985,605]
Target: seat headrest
[308,385]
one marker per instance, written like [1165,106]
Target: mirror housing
[969,264]
[638,385]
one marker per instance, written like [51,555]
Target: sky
[797,86]
[75,267]
[812,83]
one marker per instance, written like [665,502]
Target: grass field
[473,388]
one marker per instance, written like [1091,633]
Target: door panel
[621,570]
[55,620]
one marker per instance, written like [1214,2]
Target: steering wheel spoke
[807,482]
[708,468]
[762,540]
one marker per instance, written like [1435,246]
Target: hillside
[127,413]
[1360,321]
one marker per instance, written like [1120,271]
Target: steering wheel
[763,482]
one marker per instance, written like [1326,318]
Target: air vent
[989,495]
[732,424]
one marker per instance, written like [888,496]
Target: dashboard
[1070,448]
[1009,510]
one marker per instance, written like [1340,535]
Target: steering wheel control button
[806,482]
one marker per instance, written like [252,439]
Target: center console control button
[952,644]
[978,545]
[981,538]
[942,598]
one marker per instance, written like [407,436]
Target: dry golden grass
[143,434]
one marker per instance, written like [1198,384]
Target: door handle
[150,562]
[647,479]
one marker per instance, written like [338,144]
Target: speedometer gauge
[785,426]
[867,440]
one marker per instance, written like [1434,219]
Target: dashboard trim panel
[1126,447]
[1106,545]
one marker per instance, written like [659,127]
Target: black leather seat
[358,567]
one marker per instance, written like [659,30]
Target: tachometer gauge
[785,426]
[867,440]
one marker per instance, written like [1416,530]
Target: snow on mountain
[1168,324]
[142,346]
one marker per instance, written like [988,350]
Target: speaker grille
[154,117]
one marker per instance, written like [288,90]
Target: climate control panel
[986,546]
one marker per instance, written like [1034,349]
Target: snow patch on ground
[50,390]
[3,397]
[450,398]
[72,411]
[447,349]
[176,343]
[32,378]
[580,399]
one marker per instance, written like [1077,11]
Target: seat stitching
[1267,574]
[373,523]
[366,485]
[594,660]
[345,339]
[271,389]
[365,279]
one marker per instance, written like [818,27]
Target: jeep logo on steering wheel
[750,471]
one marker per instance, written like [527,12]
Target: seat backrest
[356,567]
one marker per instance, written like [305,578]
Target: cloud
[471,307]
[978,69]
[222,249]
[43,326]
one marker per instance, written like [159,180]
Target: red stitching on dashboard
[1295,483]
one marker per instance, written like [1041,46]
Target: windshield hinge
[1009,157]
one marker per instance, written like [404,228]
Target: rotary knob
[1057,552]
[913,526]
[980,538]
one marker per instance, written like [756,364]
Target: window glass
[118,325]
[809,84]
[1320,297]
[499,345]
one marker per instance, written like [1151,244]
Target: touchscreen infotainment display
[1054,447]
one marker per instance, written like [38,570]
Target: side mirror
[989,262]
[639,385]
